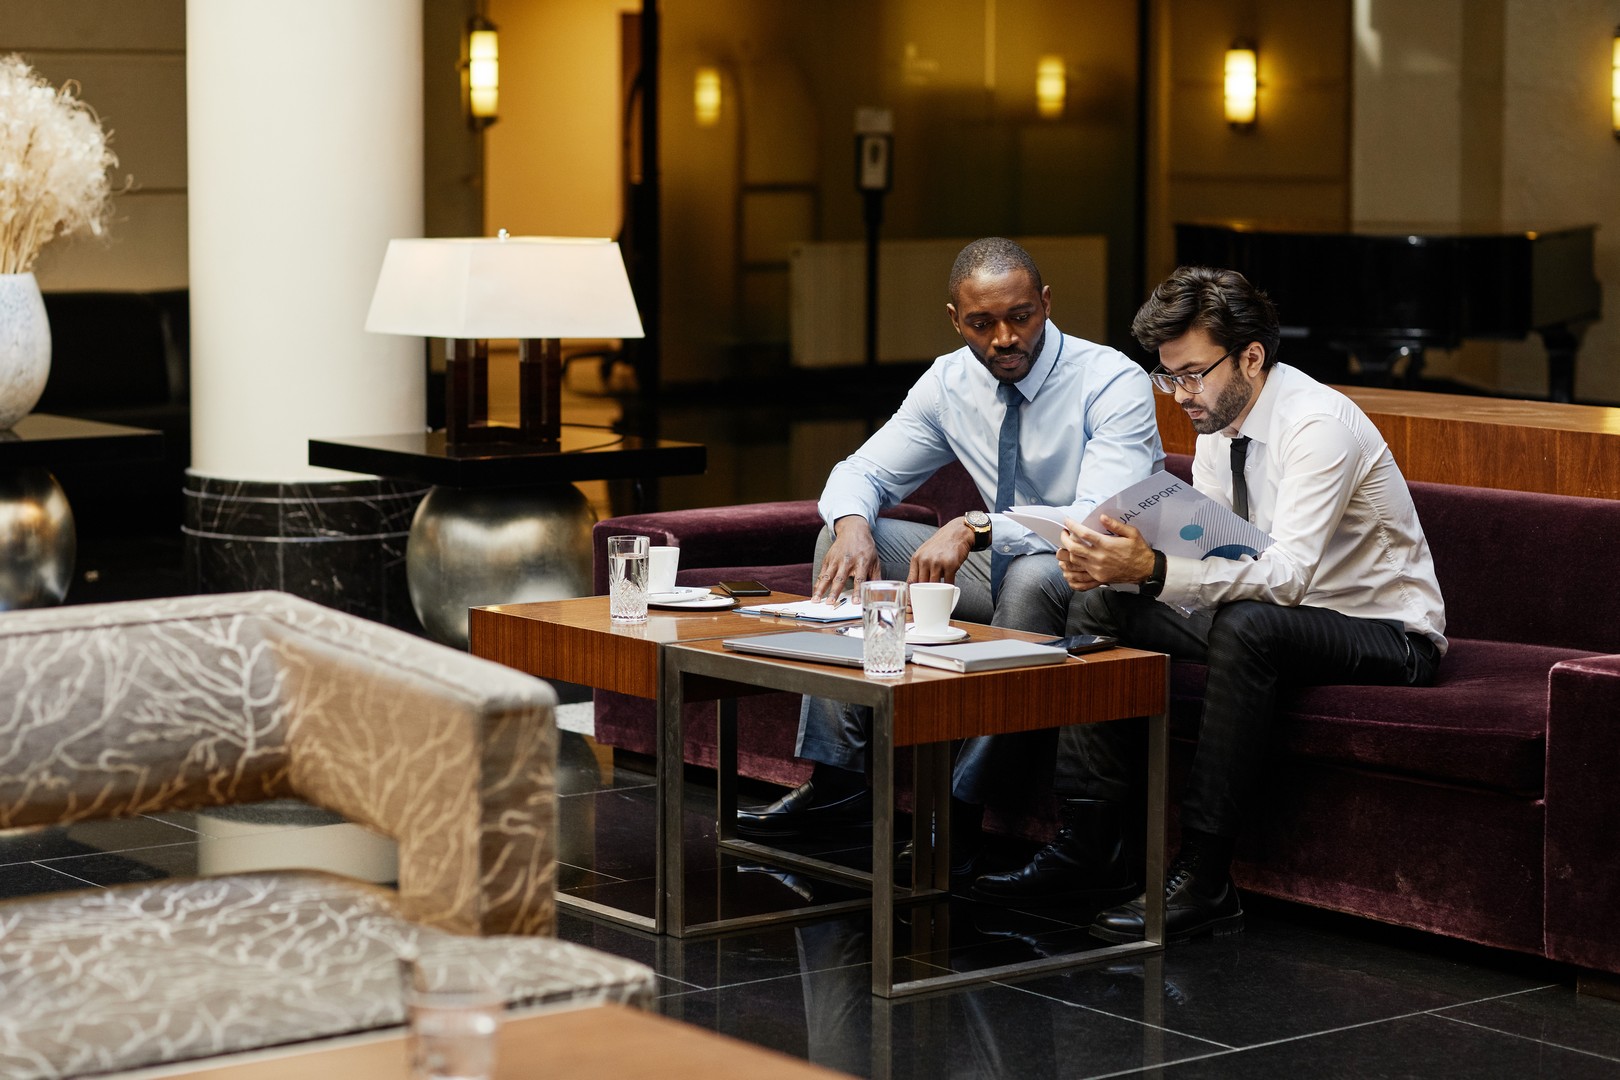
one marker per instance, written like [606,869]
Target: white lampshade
[516,287]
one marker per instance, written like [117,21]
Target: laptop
[802,645]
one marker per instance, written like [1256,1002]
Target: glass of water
[883,629]
[627,578]
[453,1010]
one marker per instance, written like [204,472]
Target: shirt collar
[1257,425]
[1051,348]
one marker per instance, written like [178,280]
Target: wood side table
[503,522]
[38,543]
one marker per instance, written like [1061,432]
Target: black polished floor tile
[1553,1015]
[706,963]
[30,879]
[87,838]
[1420,1047]
[1279,981]
[830,1017]
[579,770]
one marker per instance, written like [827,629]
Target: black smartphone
[1076,644]
[744,588]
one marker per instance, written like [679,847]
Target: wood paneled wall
[1476,441]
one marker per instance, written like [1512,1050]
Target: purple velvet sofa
[1482,808]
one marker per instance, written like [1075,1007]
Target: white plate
[952,633]
[707,602]
[678,594]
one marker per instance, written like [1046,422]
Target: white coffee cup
[931,605]
[664,561]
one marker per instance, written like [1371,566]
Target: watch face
[978,519]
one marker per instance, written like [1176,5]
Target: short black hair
[1221,303]
[995,254]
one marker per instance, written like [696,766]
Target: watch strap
[1154,585]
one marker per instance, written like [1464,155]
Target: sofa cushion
[1482,724]
[119,978]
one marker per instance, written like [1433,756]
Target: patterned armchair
[116,710]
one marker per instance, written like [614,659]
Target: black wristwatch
[1155,582]
[979,522]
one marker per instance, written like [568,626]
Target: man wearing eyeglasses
[1346,593]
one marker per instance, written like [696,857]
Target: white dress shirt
[1088,430]
[1323,483]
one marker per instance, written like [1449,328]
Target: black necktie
[1006,474]
[1240,485]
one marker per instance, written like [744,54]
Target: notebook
[802,645]
[986,655]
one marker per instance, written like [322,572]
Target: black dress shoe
[806,811]
[1086,867]
[1190,910]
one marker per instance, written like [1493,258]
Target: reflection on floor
[1298,993]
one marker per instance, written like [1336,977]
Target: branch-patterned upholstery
[115,710]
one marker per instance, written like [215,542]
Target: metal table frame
[686,671]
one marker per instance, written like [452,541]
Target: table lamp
[536,289]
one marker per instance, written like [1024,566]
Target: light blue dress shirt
[1088,430]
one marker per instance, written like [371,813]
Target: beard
[1231,402]
[989,358]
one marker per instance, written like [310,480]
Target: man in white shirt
[1346,594]
[1036,417]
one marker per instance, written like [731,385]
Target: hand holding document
[1171,515]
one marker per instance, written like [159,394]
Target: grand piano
[1380,294]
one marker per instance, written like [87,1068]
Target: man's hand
[853,555]
[942,555]
[1090,558]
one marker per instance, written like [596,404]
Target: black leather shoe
[1085,867]
[1190,910]
[803,811]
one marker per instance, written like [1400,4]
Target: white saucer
[952,633]
[707,602]
[678,594]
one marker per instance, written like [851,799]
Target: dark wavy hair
[1221,303]
[996,254]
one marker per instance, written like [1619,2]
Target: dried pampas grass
[54,165]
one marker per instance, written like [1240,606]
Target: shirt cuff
[1182,579]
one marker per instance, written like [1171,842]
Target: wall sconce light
[1614,89]
[706,96]
[483,73]
[1051,87]
[1242,85]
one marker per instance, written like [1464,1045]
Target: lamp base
[467,421]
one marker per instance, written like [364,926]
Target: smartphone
[744,588]
[1082,643]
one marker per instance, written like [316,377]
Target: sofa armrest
[131,708]
[451,755]
[1582,809]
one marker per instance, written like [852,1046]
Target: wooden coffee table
[925,708]
[576,641]
[678,657]
[603,1041]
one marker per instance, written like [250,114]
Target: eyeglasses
[1193,381]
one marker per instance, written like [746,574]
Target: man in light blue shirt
[1073,422]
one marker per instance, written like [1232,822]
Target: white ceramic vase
[25,347]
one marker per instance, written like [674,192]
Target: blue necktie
[1006,475]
